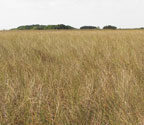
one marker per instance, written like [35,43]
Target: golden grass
[72,77]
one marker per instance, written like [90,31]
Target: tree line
[59,26]
[44,27]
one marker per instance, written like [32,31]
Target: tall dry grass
[72,77]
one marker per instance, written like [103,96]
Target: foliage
[110,27]
[44,27]
[89,27]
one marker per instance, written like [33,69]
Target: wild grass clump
[72,77]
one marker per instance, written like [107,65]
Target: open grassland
[72,77]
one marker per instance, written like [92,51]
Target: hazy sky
[121,13]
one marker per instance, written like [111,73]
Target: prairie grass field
[73,77]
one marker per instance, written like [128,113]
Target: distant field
[72,77]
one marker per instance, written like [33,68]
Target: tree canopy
[89,27]
[44,27]
[110,27]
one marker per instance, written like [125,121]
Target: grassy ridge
[72,77]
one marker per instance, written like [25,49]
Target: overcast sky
[121,13]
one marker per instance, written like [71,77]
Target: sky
[120,13]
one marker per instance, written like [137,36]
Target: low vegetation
[72,77]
